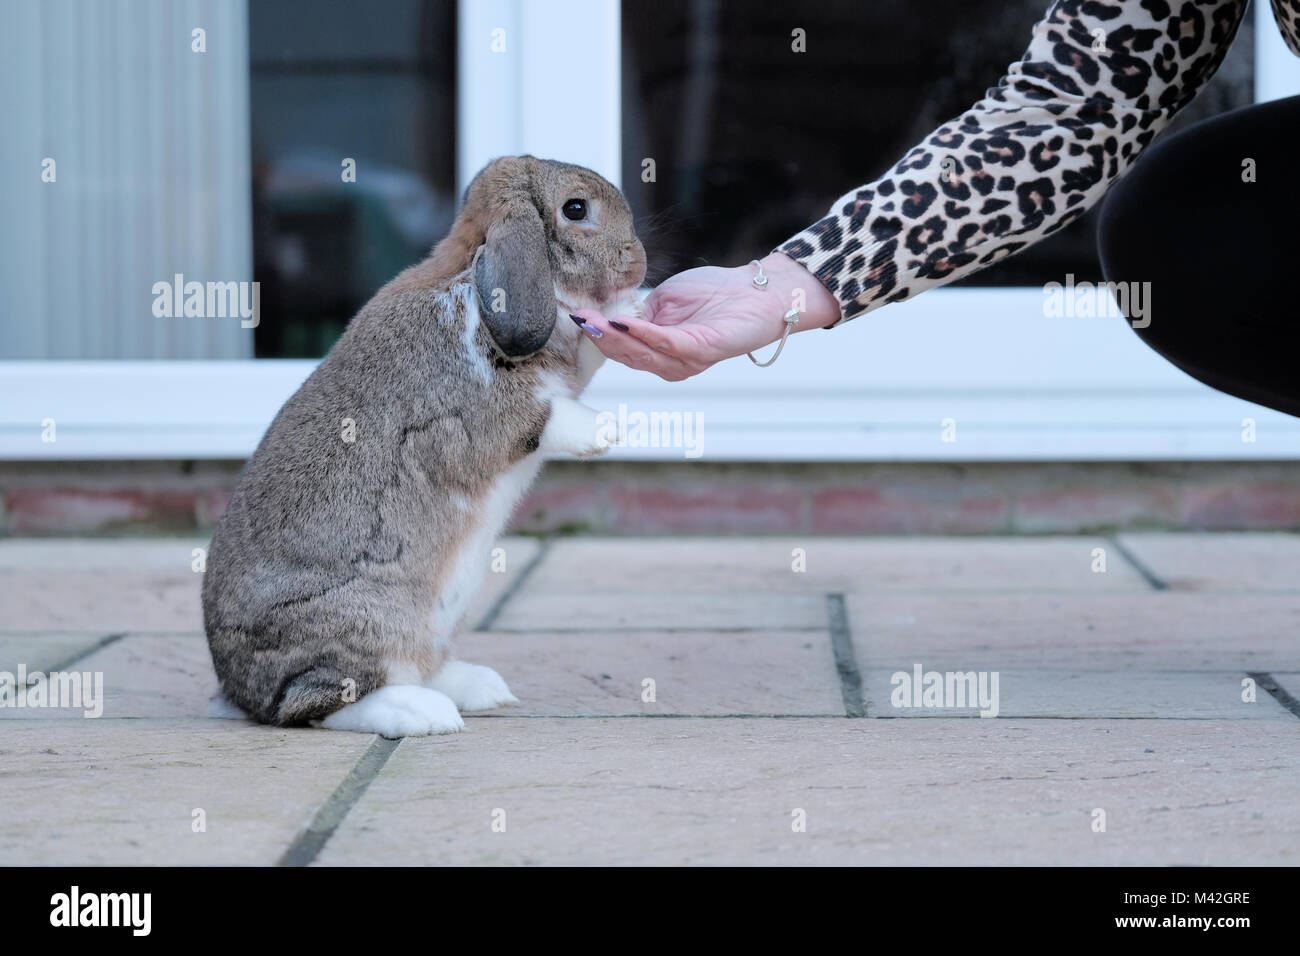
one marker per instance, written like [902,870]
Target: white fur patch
[402,672]
[398,710]
[468,306]
[623,302]
[491,515]
[628,302]
[223,709]
[472,686]
[573,429]
[590,359]
[473,560]
[569,302]
[551,385]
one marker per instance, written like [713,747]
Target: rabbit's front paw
[472,686]
[577,429]
[399,710]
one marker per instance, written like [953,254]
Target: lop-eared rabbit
[361,527]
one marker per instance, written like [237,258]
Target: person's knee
[1142,242]
[1137,215]
[1120,225]
[1125,237]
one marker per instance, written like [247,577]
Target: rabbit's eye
[575,210]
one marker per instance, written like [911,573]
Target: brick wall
[699,498]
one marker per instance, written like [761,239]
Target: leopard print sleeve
[1287,15]
[1100,79]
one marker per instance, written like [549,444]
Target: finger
[636,354]
[668,340]
[621,347]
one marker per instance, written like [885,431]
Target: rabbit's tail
[291,686]
[316,693]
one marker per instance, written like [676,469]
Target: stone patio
[771,735]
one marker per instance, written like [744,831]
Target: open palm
[691,321]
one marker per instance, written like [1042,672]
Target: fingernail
[591,330]
[618,325]
[577,319]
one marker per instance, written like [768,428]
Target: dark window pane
[374,82]
[752,142]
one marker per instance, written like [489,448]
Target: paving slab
[102,587]
[142,586]
[779,672]
[693,674]
[580,674]
[147,556]
[504,569]
[102,601]
[41,652]
[1159,630]
[1134,694]
[1168,695]
[144,675]
[722,565]
[1221,562]
[899,792]
[124,792]
[171,674]
[626,608]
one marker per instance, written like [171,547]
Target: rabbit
[357,532]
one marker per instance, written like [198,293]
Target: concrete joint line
[1157,583]
[308,844]
[500,603]
[1270,684]
[846,662]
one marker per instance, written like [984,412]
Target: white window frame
[879,389]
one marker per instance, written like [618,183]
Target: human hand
[702,316]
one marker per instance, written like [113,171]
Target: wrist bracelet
[791,318]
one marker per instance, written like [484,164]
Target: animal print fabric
[1098,82]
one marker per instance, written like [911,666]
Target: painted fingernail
[618,325]
[591,330]
[579,320]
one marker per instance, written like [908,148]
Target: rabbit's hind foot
[398,710]
[472,686]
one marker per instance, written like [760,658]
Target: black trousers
[1222,254]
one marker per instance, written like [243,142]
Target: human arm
[1097,83]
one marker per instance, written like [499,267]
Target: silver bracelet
[791,318]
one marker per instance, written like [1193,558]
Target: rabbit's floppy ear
[516,293]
